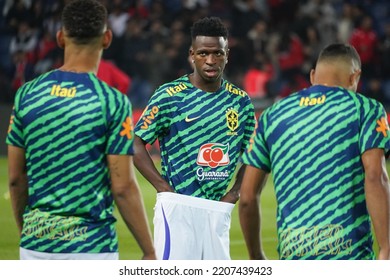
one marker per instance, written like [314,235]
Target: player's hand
[165,188]
[258,256]
[150,256]
[384,254]
[263,258]
[231,197]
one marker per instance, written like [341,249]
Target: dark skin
[209,57]
[249,211]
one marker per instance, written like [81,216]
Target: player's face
[209,56]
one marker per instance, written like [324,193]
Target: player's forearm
[233,195]
[18,188]
[237,183]
[18,183]
[145,165]
[132,210]
[377,197]
[249,209]
[249,214]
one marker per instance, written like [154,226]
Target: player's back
[63,123]
[315,138]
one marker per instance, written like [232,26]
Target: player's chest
[211,113]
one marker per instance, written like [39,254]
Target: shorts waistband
[197,202]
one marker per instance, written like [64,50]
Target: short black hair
[340,51]
[209,26]
[84,20]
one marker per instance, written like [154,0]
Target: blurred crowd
[273,43]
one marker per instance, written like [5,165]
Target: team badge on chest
[232,121]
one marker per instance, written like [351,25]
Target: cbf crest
[232,121]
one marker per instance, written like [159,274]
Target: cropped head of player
[76,31]
[337,65]
[209,49]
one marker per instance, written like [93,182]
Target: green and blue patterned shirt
[201,134]
[67,123]
[312,141]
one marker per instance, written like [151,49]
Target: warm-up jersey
[201,135]
[67,123]
[312,141]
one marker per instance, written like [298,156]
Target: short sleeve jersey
[312,141]
[201,135]
[67,123]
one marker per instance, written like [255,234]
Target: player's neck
[199,83]
[326,84]
[331,76]
[81,60]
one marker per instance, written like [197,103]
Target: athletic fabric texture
[312,141]
[201,135]
[67,123]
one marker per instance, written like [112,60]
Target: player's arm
[146,167]
[253,183]
[128,199]
[18,183]
[377,197]
[233,194]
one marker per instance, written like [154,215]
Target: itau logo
[213,155]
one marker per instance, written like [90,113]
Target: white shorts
[191,228]
[26,254]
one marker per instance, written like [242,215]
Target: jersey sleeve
[15,136]
[121,129]
[154,120]
[257,154]
[374,130]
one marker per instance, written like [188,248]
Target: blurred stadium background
[273,45]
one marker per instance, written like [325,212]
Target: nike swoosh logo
[191,119]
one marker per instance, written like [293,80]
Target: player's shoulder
[50,75]
[173,88]
[366,99]
[36,83]
[234,89]
[108,91]
[364,102]
[279,102]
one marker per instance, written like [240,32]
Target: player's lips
[211,72]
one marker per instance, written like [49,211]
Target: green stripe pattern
[201,135]
[67,123]
[312,142]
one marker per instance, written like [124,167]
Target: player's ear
[354,79]
[312,73]
[227,55]
[191,55]
[107,38]
[357,75]
[60,39]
